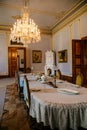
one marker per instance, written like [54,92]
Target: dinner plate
[77,86]
[68,91]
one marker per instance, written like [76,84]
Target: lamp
[24,29]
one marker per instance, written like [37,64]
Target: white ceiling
[44,12]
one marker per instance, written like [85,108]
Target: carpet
[2,98]
[15,116]
[14,112]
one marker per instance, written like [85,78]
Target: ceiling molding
[73,13]
[46,31]
[5,27]
[8,27]
[77,11]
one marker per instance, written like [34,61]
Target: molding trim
[7,28]
[75,12]
[70,16]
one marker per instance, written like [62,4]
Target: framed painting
[36,56]
[62,56]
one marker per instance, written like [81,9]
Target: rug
[2,98]
[15,116]
[14,113]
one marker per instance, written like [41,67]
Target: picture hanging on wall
[62,56]
[36,56]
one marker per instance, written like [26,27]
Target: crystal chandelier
[24,29]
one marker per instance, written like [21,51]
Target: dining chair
[79,79]
[28,70]
[26,93]
[58,74]
[20,88]
[48,71]
[31,120]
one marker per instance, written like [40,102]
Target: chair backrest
[17,80]
[26,92]
[28,70]
[48,71]
[79,79]
[58,74]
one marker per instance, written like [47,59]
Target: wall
[62,39]
[3,53]
[43,45]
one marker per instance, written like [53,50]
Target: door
[16,60]
[84,60]
[12,60]
[79,59]
[76,58]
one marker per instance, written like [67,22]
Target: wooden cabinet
[79,59]
[14,60]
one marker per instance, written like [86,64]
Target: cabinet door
[76,58]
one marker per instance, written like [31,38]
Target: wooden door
[15,62]
[79,59]
[84,60]
[76,58]
[12,60]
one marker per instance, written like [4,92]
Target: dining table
[62,107]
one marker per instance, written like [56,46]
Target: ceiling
[45,13]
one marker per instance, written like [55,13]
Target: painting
[62,56]
[36,56]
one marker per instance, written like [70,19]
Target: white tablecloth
[58,109]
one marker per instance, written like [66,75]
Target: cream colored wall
[43,45]
[62,39]
[3,53]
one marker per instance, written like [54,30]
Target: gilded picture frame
[62,56]
[36,56]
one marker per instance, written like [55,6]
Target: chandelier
[24,29]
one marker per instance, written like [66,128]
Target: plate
[77,86]
[68,91]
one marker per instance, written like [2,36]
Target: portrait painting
[62,56]
[36,56]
